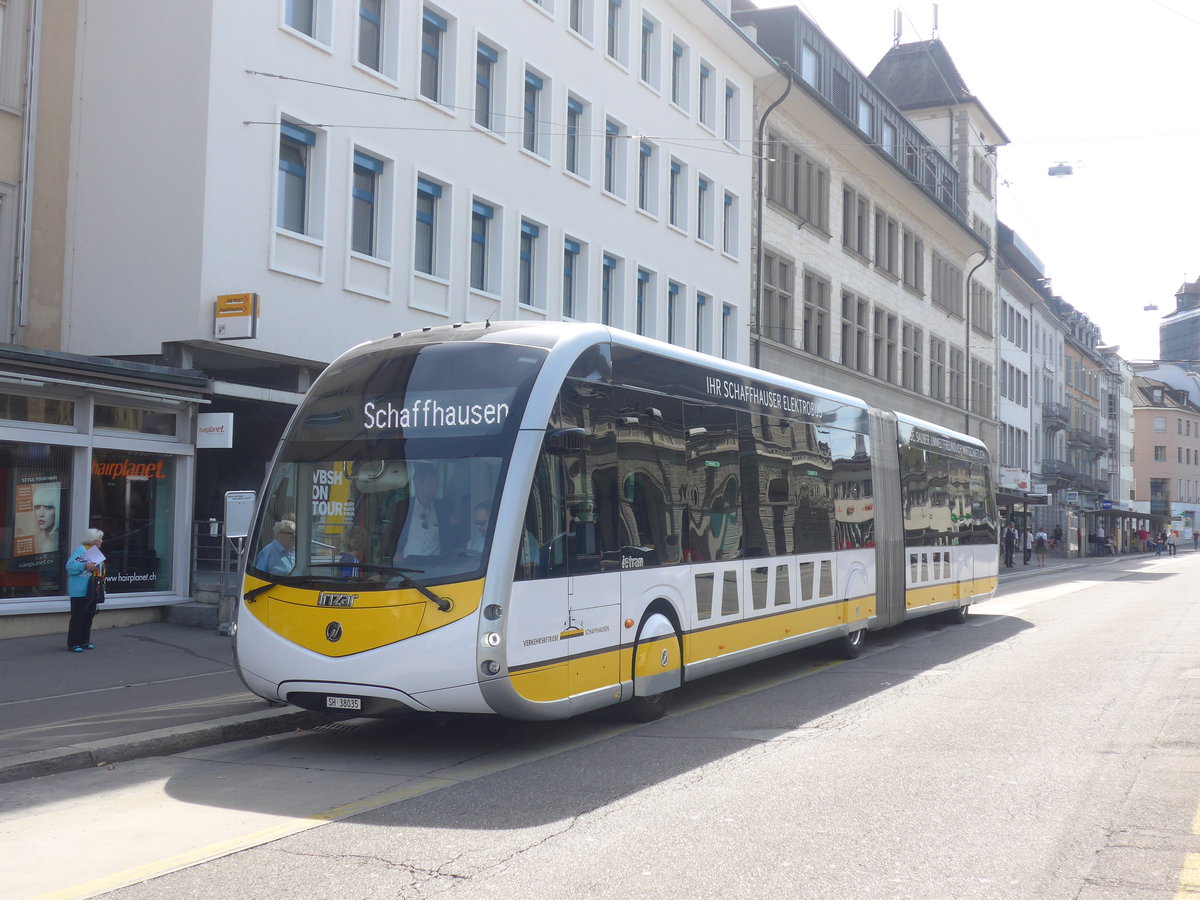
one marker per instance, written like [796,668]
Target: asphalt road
[1046,749]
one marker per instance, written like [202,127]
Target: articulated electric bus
[541,519]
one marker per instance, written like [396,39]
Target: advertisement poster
[36,512]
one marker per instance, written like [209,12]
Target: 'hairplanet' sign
[127,468]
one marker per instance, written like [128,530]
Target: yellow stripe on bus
[376,619]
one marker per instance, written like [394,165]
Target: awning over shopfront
[1126,514]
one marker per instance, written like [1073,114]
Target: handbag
[95,589]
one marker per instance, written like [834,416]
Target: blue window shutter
[435,20]
[482,209]
[296,133]
[370,163]
[488,53]
[428,187]
[533,81]
[571,246]
[528,228]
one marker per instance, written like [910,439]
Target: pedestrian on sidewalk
[1143,538]
[1172,543]
[1027,545]
[80,571]
[1101,543]
[1196,538]
[1010,545]
[1039,546]
[1057,539]
[1160,543]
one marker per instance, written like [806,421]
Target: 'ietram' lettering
[749,394]
[429,413]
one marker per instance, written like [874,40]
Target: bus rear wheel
[958,616]
[851,645]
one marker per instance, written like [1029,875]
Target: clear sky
[1112,90]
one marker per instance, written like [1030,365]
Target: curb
[162,742]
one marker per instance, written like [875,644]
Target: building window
[810,65]
[679,70]
[983,312]
[856,211]
[429,197]
[615,31]
[482,215]
[728,324]
[778,291]
[912,361]
[135,512]
[649,52]
[39,477]
[702,307]
[856,321]
[433,31]
[937,368]
[296,148]
[644,313]
[368,171]
[982,379]
[887,243]
[529,288]
[884,346]
[677,195]
[1160,453]
[674,292]
[576,149]
[956,386]
[486,61]
[816,315]
[866,115]
[614,158]
[798,184]
[705,96]
[946,290]
[370,33]
[704,210]
[647,177]
[731,113]
[729,225]
[301,15]
[914,261]
[609,288]
[531,135]
[571,279]
[579,18]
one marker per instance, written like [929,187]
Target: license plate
[343,703]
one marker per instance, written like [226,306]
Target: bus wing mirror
[565,440]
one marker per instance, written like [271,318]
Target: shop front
[94,443]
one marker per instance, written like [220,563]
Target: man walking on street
[1010,545]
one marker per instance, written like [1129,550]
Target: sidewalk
[145,690]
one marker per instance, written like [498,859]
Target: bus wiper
[441,602]
[254,592]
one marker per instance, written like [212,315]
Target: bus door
[572,511]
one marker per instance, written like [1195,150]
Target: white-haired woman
[83,608]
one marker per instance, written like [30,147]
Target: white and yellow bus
[541,519]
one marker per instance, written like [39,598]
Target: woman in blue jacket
[83,610]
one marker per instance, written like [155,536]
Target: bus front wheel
[649,709]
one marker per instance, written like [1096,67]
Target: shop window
[143,421]
[133,503]
[43,410]
[35,486]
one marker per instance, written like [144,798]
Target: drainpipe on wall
[987,254]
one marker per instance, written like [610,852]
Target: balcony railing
[1057,468]
[1055,416]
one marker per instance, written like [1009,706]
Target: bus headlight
[490,667]
[491,639]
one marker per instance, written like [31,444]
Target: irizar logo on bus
[327,598]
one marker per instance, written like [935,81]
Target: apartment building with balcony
[875,246]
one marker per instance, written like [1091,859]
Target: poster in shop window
[36,514]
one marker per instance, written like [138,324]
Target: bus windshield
[392,466]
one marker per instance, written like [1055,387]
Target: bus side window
[651,464]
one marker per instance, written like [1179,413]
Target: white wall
[175,170]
